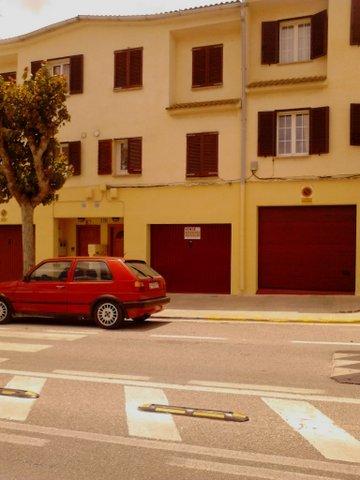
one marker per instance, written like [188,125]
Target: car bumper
[147,303]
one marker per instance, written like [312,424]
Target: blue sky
[22,16]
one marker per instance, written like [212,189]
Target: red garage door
[200,264]
[10,252]
[307,249]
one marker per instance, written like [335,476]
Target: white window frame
[63,64]
[295,47]
[64,148]
[120,150]
[293,152]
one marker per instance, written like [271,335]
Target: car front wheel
[5,312]
[108,314]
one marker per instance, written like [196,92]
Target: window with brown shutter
[105,157]
[71,67]
[319,34]
[266,134]
[128,68]
[134,155]
[355,124]
[269,43]
[207,66]
[355,23]
[319,130]
[74,149]
[202,153]
[9,76]
[76,74]
[35,66]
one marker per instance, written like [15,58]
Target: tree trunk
[28,237]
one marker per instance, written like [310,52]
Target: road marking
[102,375]
[77,332]
[346,363]
[330,440]
[183,448]
[350,344]
[41,335]
[188,337]
[22,440]
[188,388]
[23,347]
[271,388]
[243,470]
[149,425]
[3,360]
[19,408]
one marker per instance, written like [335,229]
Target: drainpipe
[243,135]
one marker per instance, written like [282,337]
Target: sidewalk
[278,308]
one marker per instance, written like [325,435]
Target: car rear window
[141,269]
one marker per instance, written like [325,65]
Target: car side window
[92,271]
[51,272]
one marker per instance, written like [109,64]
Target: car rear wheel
[108,314]
[5,312]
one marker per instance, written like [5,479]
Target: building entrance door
[116,240]
[85,236]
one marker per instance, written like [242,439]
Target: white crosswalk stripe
[22,347]
[12,408]
[41,335]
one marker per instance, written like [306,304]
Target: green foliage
[32,168]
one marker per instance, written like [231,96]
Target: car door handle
[60,286]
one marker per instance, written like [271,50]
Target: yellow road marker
[195,412]
[13,392]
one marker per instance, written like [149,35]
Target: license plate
[153,285]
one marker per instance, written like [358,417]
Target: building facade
[219,143]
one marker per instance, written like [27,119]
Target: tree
[32,168]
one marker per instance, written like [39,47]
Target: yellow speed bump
[13,392]
[195,412]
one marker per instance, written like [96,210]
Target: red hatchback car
[107,289]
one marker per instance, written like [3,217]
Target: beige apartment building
[219,143]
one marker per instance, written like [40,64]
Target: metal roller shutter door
[11,257]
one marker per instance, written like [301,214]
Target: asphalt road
[86,424]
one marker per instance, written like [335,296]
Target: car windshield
[141,269]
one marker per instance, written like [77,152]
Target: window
[9,76]
[202,154]
[128,67]
[72,151]
[295,41]
[127,153]
[92,271]
[293,133]
[51,272]
[355,23]
[141,269]
[355,124]
[207,66]
[61,67]
[71,67]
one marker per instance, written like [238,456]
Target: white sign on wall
[192,233]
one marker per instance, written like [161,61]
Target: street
[86,424]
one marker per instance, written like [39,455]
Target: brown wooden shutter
[215,62]
[355,23]
[319,34]
[269,43]
[319,130]
[210,153]
[355,124]
[76,74]
[136,67]
[134,155]
[35,66]
[105,157]
[75,156]
[198,67]
[193,155]
[266,134]
[9,76]
[120,69]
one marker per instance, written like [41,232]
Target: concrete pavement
[275,308]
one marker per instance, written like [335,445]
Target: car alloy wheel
[108,315]
[4,312]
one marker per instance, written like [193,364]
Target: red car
[108,289]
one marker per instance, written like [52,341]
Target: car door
[45,290]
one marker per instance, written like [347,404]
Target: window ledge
[206,106]
[206,87]
[292,155]
[125,89]
[296,62]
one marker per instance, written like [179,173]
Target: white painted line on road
[22,440]
[271,388]
[349,344]
[149,425]
[319,430]
[41,335]
[12,408]
[346,363]
[188,337]
[77,332]
[3,360]
[22,347]
[102,375]
[183,448]
[188,388]
[243,470]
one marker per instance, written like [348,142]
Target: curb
[251,316]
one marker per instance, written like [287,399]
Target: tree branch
[43,181]
[7,171]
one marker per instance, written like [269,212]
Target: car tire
[141,319]
[5,311]
[108,314]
